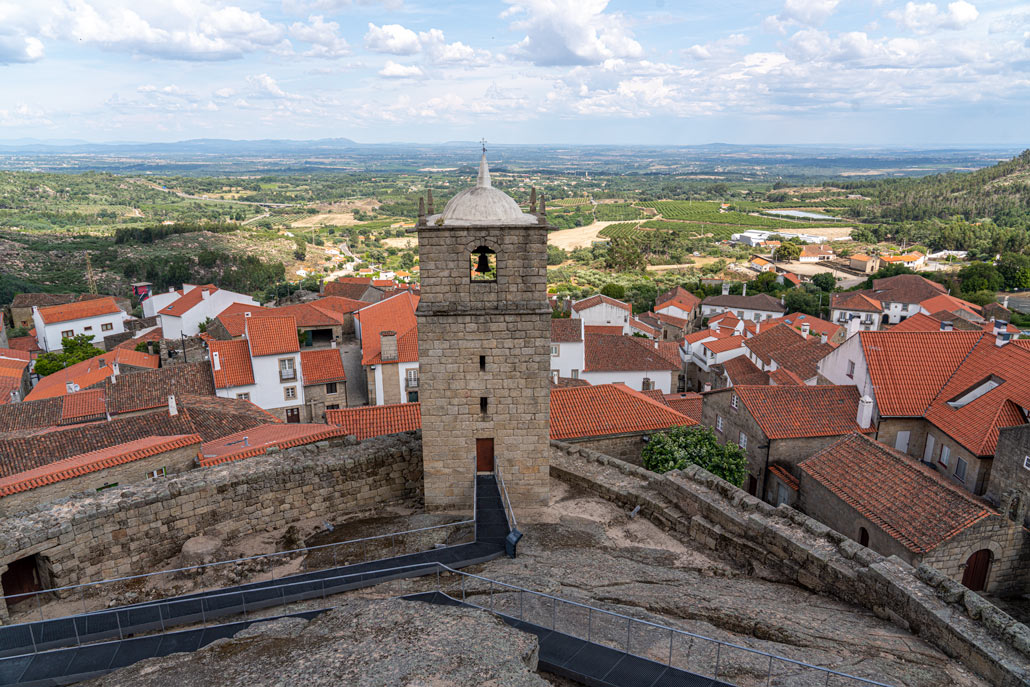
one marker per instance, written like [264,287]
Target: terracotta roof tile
[905,288]
[813,250]
[775,339]
[92,372]
[908,501]
[797,411]
[606,353]
[567,330]
[27,300]
[79,310]
[792,278]
[608,409]
[321,366]
[84,406]
[598,299]
[184,303]
[741,371]
[233,367]
[149,389]
[917,323]
[24,343]
[15,354]
[272,335]
[374,421]
[951,304]
[257,440]
[154,334]
[643,327]
[784,377]
[394,314]
[762,301]
[694,338]
[680,297]
[802,360]
[678,322]
[94,461]
[611,330]
[796,320]
[859,302]
[688,404]
[724,344]
[350,288]
[785,476]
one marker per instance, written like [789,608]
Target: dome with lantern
[482,204]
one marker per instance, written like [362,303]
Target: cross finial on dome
[482,142]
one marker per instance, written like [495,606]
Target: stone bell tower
[484,329]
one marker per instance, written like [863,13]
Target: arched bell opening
[483,264]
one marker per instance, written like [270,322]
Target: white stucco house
[196,304]
[98,318]
[603,311]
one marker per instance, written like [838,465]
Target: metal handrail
[592,609]
[240,560]
[508,512]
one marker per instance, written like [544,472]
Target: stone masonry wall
[785,545]
[627,448]
[128,531]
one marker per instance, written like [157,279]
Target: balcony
[287,375]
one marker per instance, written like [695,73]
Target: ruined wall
[785,545]
[133,530]
[627,448]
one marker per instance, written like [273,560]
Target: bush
[73,350]
[678,447]
[616,291]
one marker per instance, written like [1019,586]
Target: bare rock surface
[201,550]
[362,643]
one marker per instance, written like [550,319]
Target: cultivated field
[579,237]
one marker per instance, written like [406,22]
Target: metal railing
[509,513]
[662,644]
[105,590]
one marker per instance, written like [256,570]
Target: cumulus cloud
[570,32]
[927,17]
[721,47]
[394,70]
[323,37]
[392,39]
[20,48]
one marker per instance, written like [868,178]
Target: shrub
[674,449]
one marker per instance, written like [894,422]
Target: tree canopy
[73,350]
[675,448]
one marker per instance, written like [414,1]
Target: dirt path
[579,237]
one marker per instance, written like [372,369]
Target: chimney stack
[388,346]
[805,329]
[171,289]
[743,289]
[708,386]
[947,326]
[1002,339]
[1005,303]
[333,344]
[854,324]
[725,288]
[822,337]
[865,413]
[204,293]
[1000,327]
[173,409]
[69,386]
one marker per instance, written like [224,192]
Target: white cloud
[393,39]
[718,48]
[267,85]
[809,12]
[570,32]
[926,17]
[393,70]
[23,115]
[323,37]
[20,48]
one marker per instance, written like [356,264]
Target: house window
[412,397]
[482,363]
[945,454]
[554,349]
[289,392]
[244,396]
[647,385]
[483,265]
[106,327]
[1026,462]
[742,441]
[68,333]
[960,470]
[330,388]
[87,329]
[333,406]
[411,378]
[160,472]
[851,369]
[287,369]
[718,423]
[734,402]
[575,374]
[483,404]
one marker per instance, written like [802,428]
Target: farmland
[621,230]
[691,211]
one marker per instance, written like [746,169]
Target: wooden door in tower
[484,455]
[977,568]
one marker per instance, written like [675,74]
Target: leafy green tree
[788,251]
[825,281]
[613,290]
[73,350]
[556,256]
[799,300]
[675,448]
[1014,269]
[15,332]
[764,283]
[624,256]
[980,276]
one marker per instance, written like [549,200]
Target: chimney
[708,386]
[69,386]
[1005,303]
[204,293]
[216,361]
[822,337]
[171,289]
[805,329]
[172,408]
[714,327]
[388,346]
[865,413]
[947,326]
[854,323]
[333,343]
[246,314]
[115,370]
[1002,339]
[743,289]
[1000,327]
[725,288]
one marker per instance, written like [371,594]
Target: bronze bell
[483,266]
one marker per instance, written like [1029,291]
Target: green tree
[73,350]
[788,251]
[799,300]
[556,256]
[613,290]
[675,448]
[1014,269]
[624,255]
[825,281]
[980,276]
[764,283]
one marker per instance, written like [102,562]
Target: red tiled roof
[905,288]
[83,406]
[677,322]
[234,366]
[184,303]
[606,353]
[257,440]
[679,297]
[15,354]
[321,366]
[816,325]
[394,314]
[785,476]
[927,360]
[339,304]
[949,303]
[272,335]
[763,302]
[910,502]
[563,382]
[722,345]
[741,371]
[723,333]
[784,377]
[1022,343]
[374,421]
[91,372]
[94,461]
[155,334]
[792,278]
[688,404]
[76,311]
[598,299]
[567,330]
[147,389]
[234,317]
[24,343]
[858,302]
[775,339]
[612,330]
[802,360]
[797,411]
[608,409]
[816,251]
[351,288]
[643,327]
[917,323]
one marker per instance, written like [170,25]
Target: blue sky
[876,72]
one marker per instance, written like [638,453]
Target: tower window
[483,265]
[483,404]
[482,363]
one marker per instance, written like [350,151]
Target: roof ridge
[953,372]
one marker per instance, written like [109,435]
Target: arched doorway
[863,536]
[977,568]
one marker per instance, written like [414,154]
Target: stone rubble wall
[133,530]
[785,545]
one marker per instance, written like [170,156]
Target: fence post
[463,588]
[628,626]
[671,635]
[119,621]
[718,655]
[39,607]
[589,612]
[768,674]
[82,592]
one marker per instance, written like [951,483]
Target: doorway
[21,577]
[293,414]
[752,485]
[977,568]
[484,455]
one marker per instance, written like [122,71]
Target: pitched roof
[760,261]
[905,288]
[53,314]
[233,366]
[324,312]
[678,322]
[374,421]
[784,377]
[703,334]
[257,440]
[792,278]
[784,474]
[796,320]
[612,329]
[607,409]
[678,295]
[83,406]
[27,300]
[917,323]
[775,339]
[813,250]
[724,344]
[908,501]
[951,304]
[567,330]
[802,360]
[152,334]
[927,360]
[794,412]
[394,314]
[150,389]
[598,299]
[561,382]
[607,353]
[741,370]
[272,335]
[15,354]
[643,327]
[91,372]
[688,404]
[860,302]
[184,303]
[24,343]
[762,301]
[905,257]
[323,365]
[352,288]
[234,317]
[94,461]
